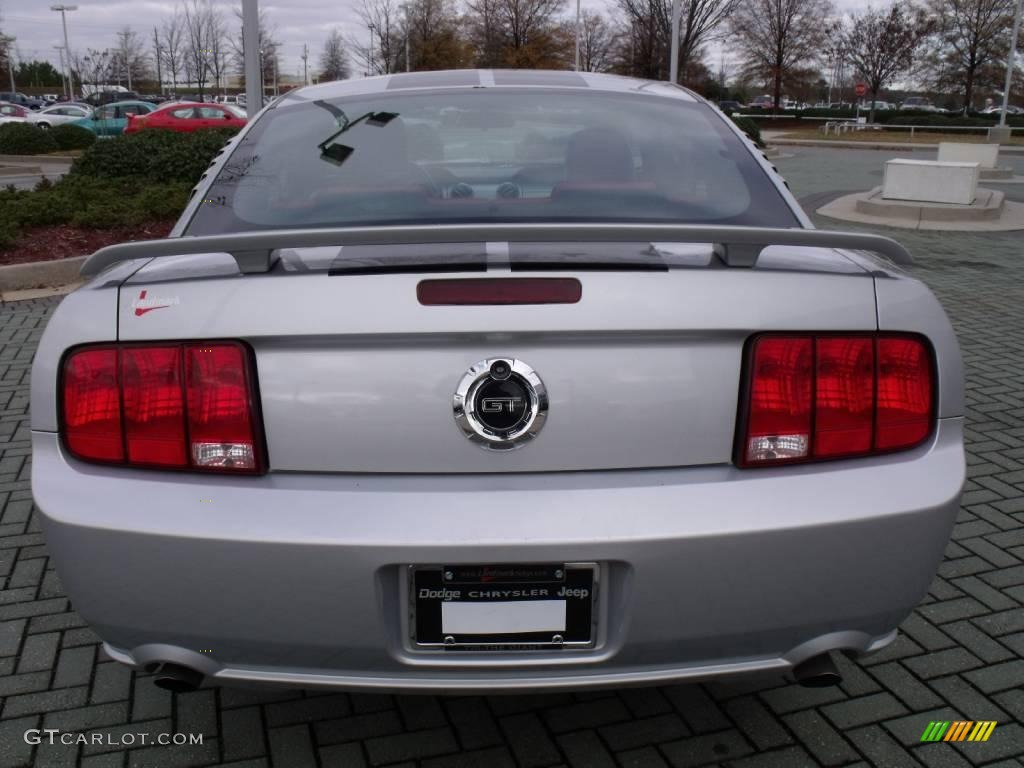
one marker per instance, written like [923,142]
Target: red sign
[860,89]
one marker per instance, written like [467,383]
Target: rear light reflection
[184,406]
[812,397]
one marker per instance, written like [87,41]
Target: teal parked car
[111,119]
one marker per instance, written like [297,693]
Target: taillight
[174,405]
[811,397]
[92,404]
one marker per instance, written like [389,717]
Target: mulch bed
[63,241]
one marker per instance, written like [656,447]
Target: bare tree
[6,58]
[128,58]
[518,33]
[197,25]
[882,45]
[972,36]
[485,32]
[382,21]
[94,68]
[778,38]
[597,42]
[170,49]
[433,36]
[219,48]
[269,46]
[333,61]
[651,23]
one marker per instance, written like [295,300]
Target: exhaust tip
[817,672]
[178,679]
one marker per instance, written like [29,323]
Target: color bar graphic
[958,730]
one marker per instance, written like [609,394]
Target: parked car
[996,109]
[13,113]
[761,102]
[729,106]
[13,97]
[111,119]
[391,409]
[59,114]
[189,116]
[110,96]
[231,98]
[919,103]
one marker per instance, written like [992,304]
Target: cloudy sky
[96,22]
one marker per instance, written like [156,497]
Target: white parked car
[58,115]
[995,109]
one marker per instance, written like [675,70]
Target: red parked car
[189,116]
[12,113]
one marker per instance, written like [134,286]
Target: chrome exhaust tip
[178,679]
[817,672]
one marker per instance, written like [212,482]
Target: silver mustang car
[495,380]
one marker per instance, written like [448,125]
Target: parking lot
[960,656]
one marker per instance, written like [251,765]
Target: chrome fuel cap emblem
[500,403]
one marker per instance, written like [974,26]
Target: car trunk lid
[356,375]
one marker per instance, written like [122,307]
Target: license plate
[504,606]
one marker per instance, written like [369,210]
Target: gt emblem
[500,403]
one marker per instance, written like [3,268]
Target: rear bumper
[300,579]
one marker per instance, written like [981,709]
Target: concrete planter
[925,181]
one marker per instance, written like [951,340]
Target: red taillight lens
[827,396]
[844,395]
[219,422]
[154,422]
[904,393]
[499,290]
[781,392]
[184,406]
[92,405]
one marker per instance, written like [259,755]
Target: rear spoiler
[257,251]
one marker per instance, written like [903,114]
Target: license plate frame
[540,583]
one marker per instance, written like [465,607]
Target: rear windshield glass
[479,156]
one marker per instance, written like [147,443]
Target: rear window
[489,156]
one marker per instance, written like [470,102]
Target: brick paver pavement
[959,656]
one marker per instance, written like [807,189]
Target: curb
[41,274]
[887,145]
[20,170]
[36,158]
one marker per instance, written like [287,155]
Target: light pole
[67,47]
[1011,62]
[63,72]
[577,35]
[673,67]
[369,56]
[7,43]
[251,55]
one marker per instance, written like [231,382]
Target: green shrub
[8,235]
[749,127]
[70,137]
[25,139]
[160,156]
[89,202]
